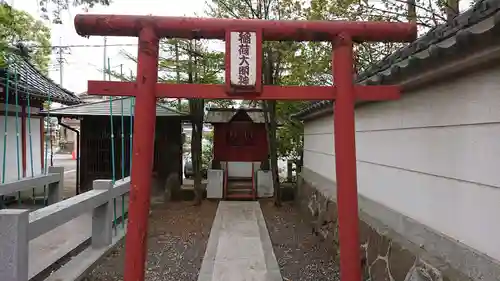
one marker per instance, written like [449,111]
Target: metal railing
[19,227]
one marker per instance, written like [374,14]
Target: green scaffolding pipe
[17,134]
[30,142]
[7,94]
[113,174]
[49,129]
[123,151]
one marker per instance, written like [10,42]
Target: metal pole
[345,159]
[177,72]
[60,61]
[143,149]
[61,65]
[59,120]
[105,58]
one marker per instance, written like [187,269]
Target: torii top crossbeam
[272,30]
[243,81]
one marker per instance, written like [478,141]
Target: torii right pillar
[345,158]
[149,29]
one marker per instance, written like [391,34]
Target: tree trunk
[196,106]
[177,72]
[412,11]
[452,9]
[270,108]
[196,109]
[274,152]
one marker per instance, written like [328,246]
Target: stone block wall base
[382,258]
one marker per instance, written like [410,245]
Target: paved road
[64,160]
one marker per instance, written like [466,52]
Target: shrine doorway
[240,150]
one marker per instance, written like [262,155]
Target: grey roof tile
[472,27]
[102,108]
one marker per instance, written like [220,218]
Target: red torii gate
[146,89]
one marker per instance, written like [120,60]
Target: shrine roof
[102,108]
[469,31]
[225,115]
[31,82]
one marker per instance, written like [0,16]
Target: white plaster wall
[12,162]
[433,155]
[36,147]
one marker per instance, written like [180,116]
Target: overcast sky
[85,63]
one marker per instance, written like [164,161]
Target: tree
[19,29]
[274,54]
[189,61]
[52,9]
[290,63]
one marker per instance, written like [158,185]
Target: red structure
[149,29]
[237,137]
[240,137]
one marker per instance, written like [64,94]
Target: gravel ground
[300,253]
[178,235]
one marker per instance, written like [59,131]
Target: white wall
[434,156]
[11,161]
[36,147]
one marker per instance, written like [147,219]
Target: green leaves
[18,27]
[52,9]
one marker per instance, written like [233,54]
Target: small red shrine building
[240,149]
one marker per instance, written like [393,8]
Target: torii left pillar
[146,89]
[143,149]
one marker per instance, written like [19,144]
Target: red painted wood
[143,150]
[254,191]
[345,161]
[179,27]
[225,151]
[42,143]
[240,196]
[273,30]
[226,179]
[269,92]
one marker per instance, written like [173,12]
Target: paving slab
[55,244]
[239,247]
[48,248]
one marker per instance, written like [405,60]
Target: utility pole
[61,64]
[61,51]
[177,71]
[105,58]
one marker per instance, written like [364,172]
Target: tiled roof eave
[478,26]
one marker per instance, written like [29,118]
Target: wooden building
[23,91]
[240,148]
[96,153]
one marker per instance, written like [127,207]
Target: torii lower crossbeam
[269,92]
[146,90]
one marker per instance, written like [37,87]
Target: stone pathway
[239,247]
